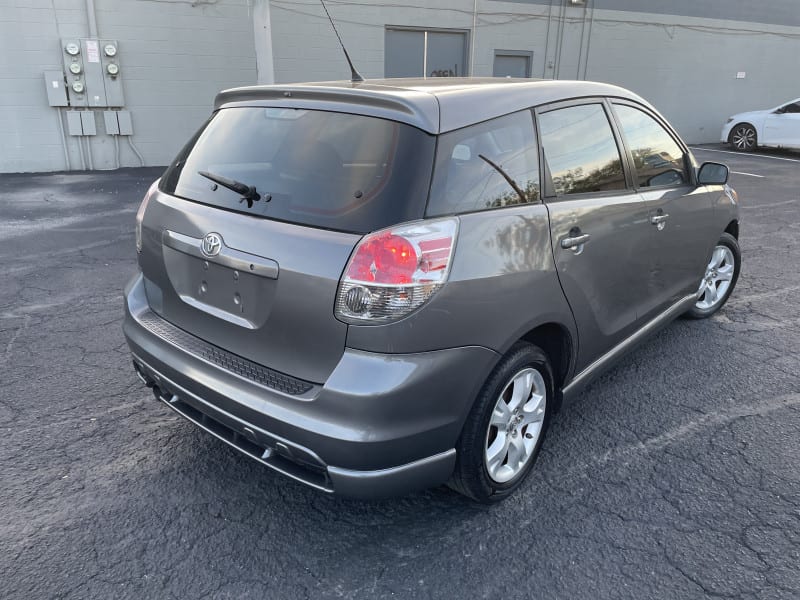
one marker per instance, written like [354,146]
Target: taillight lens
[140,214]
[395,271]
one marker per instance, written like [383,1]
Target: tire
[726,254]
[743,138]
[473,477]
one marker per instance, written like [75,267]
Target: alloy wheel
[744,138]
[717,280]
[515,425]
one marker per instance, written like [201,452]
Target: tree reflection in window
[464,182]
[657,158]
[580,150]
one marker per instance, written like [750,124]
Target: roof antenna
[355,76]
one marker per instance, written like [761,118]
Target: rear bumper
[381,425]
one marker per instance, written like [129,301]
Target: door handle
[575,243]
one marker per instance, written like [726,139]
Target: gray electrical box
[111,123]
[88,123]
[71,54]
[124,120]
[112,72]
[74,126]
[95,84]
[56,88]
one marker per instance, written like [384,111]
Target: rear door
[680,213]
[258,277]
[598,224]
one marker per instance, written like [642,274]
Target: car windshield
[324,169]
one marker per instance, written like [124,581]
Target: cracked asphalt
[676,475]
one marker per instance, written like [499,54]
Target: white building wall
[174,57]
[686,66]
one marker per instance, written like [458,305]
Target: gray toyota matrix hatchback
[385,286]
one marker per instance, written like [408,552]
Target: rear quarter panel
[502,284]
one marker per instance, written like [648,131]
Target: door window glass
[464,181]
[658,158]
[580,150]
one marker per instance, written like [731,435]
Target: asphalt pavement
[676,475]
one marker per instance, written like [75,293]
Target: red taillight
[385,258]
[394,272]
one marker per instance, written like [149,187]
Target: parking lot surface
[676,475]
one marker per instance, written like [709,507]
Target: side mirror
[713,174]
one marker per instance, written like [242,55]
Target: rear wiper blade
[506,176]
[248,192]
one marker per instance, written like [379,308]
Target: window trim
[687,163]
[546,184]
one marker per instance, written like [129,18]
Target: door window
[657,157]
[580,150]
[793,108]
[424,53]
[465,181]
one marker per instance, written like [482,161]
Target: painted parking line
[748,174]
[748,155]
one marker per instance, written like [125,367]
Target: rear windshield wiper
[506,176]
[248,192]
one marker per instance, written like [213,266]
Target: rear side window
[464,180]
[657,157]
[333,170]
[580,150]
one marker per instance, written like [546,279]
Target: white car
[777,127]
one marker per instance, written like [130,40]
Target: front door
[598,223]
[680,213]
[783,128]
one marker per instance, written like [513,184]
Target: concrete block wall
[174,57]
[685,65]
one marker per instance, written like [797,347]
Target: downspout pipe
[91,18]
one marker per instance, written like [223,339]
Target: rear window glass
[465,181]
[580,150]
[323,169]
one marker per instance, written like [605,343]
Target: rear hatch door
[259,278]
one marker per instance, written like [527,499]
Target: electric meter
[77,87]
[72,49]
[110,50]
[75,68]
[112,69]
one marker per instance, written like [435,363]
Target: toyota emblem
[212,244]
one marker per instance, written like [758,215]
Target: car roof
[435,105]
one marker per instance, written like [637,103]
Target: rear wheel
[719,279]
[504,431]
[743,137]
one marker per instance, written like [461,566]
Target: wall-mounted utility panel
[72,56]
[56,88]
[95,80]
[74,126]
[112,71]
[125,124]
[110,122]
[88,123]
